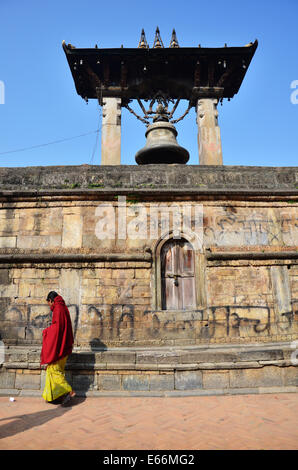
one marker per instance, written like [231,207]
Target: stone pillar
[209,141]
[111,132]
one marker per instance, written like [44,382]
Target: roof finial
[158,44]
[143,42]
[174,40]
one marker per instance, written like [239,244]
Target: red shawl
[57,339]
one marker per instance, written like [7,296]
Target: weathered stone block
[82,358]
[89,292]
[109,382]
[261,355]
[83,382]
[25,273]
[96,273]
[34,366]
[109,294]
[118,357]
[265,377]
[11,332]
[72,231]
[168,358]
[161,382]
[7,379]
[30,242]
[4,276]
[69,286]
[146,358]
[26,288]
[123,273]
[9,290]
[215,379]
[27,381]
[34,371]
[290,376]
[18,366]
[135,382]
[143,273]
[89,282]
[188,380]
[209,356]
[42,379]
[8,242]
[141,291]
[16,356]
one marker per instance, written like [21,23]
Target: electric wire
[96,138]
[49,143]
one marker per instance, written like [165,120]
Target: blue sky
[258,126]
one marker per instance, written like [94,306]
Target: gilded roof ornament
[143,42]
[174,40]
[158,44]
[67,46]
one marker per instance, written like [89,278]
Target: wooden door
[178,275]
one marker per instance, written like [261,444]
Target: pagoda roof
[141,73]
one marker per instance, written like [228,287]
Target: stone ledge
[158,358]
[238,347]
[7,392]
[149,178]
[175,393]
[251,255]
[154,367]
[16,365]
[134,380]
[14,258]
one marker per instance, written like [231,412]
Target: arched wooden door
[178,275]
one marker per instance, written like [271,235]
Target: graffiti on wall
[255,229]
[107,323]
[26,321]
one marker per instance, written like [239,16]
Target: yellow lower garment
[56,384]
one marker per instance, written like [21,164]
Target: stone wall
[55,234]
[113,306]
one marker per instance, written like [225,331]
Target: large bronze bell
[161,145]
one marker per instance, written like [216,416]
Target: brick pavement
[267,421]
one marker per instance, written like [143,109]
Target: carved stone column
[209,141]
[111,132]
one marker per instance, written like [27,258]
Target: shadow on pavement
[21,423]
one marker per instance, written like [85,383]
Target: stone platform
[197,370]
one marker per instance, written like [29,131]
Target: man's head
[51,297]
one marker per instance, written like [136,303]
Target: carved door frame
[199,268]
